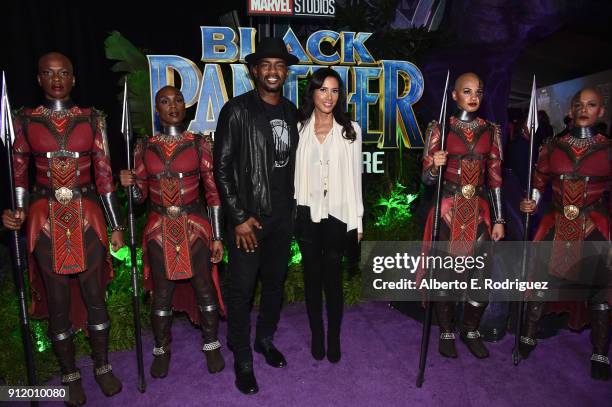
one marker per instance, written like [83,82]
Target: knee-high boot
[600,339]
[209,318]
[528,341]
[472,312]
[103,371]
[445,311]
[161,322]
[63,347]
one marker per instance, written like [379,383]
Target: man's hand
[359,237]
[13,220]
[127,178]
[528,206]
[217,251]
[117,240]
[245,234]
[498,232]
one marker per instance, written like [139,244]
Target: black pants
[322,245]
[201,281]
[57,286]
[270,258]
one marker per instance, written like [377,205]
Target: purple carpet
[378,368]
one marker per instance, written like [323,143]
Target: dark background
[505,41]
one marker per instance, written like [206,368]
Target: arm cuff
[22,197]
[111,210]
[214,215]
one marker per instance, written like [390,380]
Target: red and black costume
[474,158]
[577,165]
[169,169]
[67,239]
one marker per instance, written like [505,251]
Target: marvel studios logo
[292,8]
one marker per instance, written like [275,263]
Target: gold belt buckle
[63,195]
[173,211]
[468,191]
[571,212]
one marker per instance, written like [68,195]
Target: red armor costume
[66,231]
[472,157]
[178,237]
[578,165]
[69,263]
[64,145]
[168,172]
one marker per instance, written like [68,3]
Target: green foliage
[296,256]
[395,207]
[133,63]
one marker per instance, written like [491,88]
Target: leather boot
[600,339]
[103,371]
[334,323]
[334,353]
[444,314]
[209,318]
[317,338]
[469,331]
[63,347]
[161,322]
[528,341]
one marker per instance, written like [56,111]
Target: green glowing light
[296,255]
[123,255]
[42,341]
[225,255]
[395,208]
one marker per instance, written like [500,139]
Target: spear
[7,134]
[126,129]
[532,123]
[434,238]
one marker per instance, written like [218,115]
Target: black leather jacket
[244,156]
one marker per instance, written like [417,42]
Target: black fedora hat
[271,48]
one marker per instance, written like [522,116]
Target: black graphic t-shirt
[280,184]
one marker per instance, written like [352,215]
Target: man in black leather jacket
[254,154]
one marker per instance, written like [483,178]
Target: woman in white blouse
[328,194]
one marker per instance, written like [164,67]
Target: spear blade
[3,112]
[125,117]
[532,118]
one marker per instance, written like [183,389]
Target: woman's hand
[439,158]
[217,251]
[117,240]
[528,206]
[127,178]
[13,220]
[498,232]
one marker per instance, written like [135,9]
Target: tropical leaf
[132,63]
[119,48]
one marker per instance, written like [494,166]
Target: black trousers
[322,245]
[269,260]
[57,286]
[201,281]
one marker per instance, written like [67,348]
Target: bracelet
[118,228]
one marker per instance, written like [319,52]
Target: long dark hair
[340,115]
